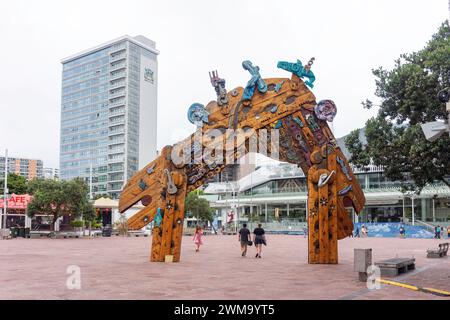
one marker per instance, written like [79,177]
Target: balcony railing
[117,103]
[116,150]
[116,160]
[117,85]
[116,132]
[116,121]
[117,75]
[118,57]
[116,141]
[117,66]
[119,94]
[118,47]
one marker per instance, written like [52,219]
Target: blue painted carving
[344,168]
[277,125]
[274,109]
[143,185]
[278,86]
[255,81]
[312,122]
[151,169]
[197,114]
[158,217]
[345,190]
[298,69]
[299,122]
[248,92]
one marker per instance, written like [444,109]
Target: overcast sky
[347,38]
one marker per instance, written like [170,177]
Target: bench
[39,234]
[63,235]
[137,234]
[440,252]
[396,266]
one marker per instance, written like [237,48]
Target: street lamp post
[434,213]
[404,216]
[412,195]
[234,208]
[5,192]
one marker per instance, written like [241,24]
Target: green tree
[105,195]
[408,95]
[59,198]
[198,207]
[16,184]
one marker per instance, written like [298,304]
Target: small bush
[77,223]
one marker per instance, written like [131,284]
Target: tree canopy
[16,184]
[59,198]
[408,95]
[198,207]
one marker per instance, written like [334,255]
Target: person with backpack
[244,238]
[259,239]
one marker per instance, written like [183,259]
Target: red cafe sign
[17,201]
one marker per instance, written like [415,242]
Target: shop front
[16,211]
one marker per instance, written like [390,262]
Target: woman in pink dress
[198,238]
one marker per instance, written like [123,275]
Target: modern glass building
[277,195]
[109,113]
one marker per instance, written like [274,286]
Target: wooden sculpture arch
[284,104]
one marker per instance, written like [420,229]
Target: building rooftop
[138,40]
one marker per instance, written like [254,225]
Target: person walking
[438,231]
[259,239]
[402,232]
[448,231]
[357,232]
[244,237]
[198,241]
[363,231]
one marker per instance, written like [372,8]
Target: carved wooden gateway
[278,117]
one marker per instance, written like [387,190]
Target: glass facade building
[279,194]
[109,113]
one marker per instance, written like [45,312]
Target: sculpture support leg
[167,227]
[178,219]
[332,214]
[167,237]
[322,215]
[324,243]
[156,244]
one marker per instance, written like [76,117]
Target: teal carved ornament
[299,70]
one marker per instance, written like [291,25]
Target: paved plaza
[118,268]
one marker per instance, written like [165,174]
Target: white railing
[114,95]
[117,103]
[116,85]
[118,75]
[117,66]
[117,57]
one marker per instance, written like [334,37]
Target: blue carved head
[298,69]
[294,67]
[197,114]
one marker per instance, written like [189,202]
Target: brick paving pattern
[118,268]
